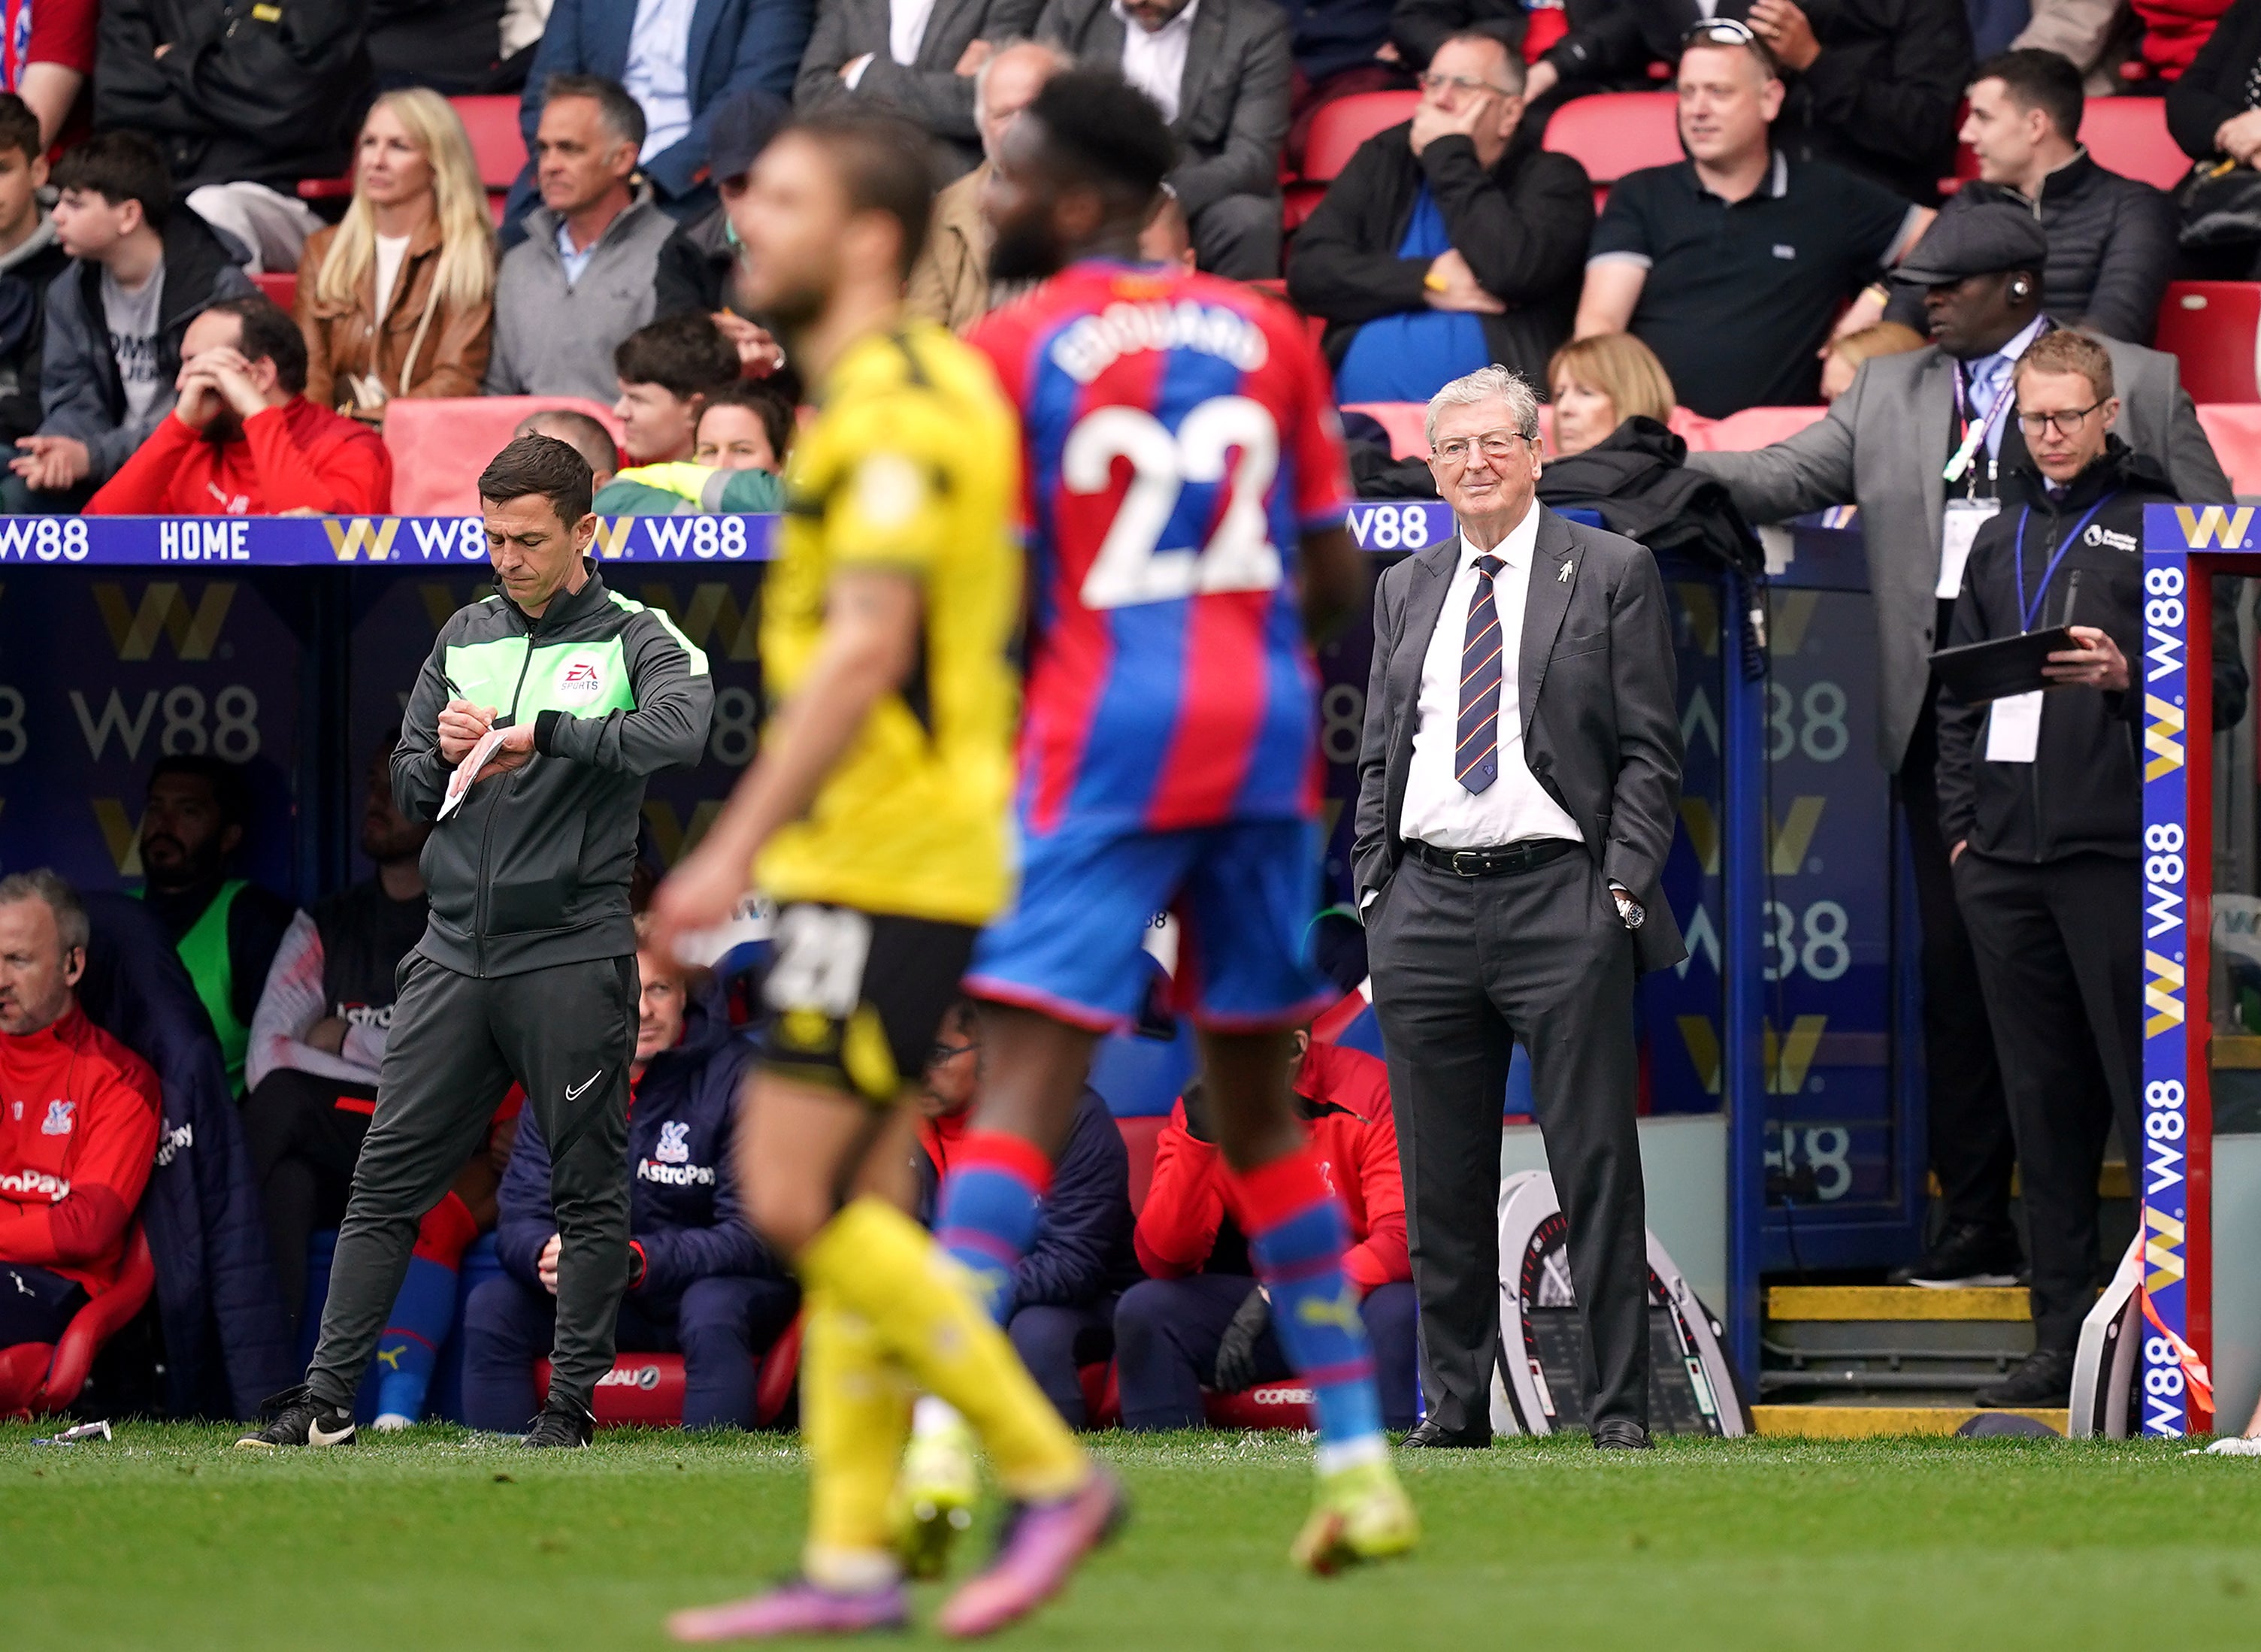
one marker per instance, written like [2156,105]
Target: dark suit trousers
[2060,949]
[1464,968]
[1971,1149]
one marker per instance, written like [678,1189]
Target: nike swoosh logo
[316,1437]
[574,1092]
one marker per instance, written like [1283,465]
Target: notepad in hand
[1978,672]
[459,782]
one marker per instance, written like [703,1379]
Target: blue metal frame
[1742,737]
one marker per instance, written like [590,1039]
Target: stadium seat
[1405,421]
[2129,136]
[645,1390]
[2211,326]
[440,444]
[1337,130]
[1612,134]
[283,288]
[2235,429]
[497,144]
[1741,432]
[37,1377]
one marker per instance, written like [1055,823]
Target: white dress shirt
[1155,61]
[1439,810]
[658,72]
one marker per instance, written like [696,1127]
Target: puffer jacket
[345,340]
[2112,249]
[533,869]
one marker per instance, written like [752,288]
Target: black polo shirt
[1741,294]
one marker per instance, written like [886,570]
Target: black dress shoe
[1618,1434]
[1966,1254]
[1433,1434]
[2043,1378]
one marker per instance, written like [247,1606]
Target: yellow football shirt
[913,464]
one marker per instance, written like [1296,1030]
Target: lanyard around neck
[2027,610]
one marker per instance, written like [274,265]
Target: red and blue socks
[424,1309]
[986,1214]
[1297,1232]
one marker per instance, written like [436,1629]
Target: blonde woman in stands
[1596,383]
[398,298]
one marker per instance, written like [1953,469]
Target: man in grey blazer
[1219,70]
[1885,447]
[917,60]
[1518,780]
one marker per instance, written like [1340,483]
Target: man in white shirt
[917,58]
[1219,71]
[1519,779]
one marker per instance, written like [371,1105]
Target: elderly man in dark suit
[1919,444]
[1219,71]
[1517,786]
[918,62]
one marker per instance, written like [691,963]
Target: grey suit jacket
[1883,447]
[926,89]
[1233,104]
[1601,721]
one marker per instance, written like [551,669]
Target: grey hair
[62,899]
[1485,384]
[1059,60]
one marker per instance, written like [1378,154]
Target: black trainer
[1965,1254]
[296,1419]
[2044,1377]
[562,1424]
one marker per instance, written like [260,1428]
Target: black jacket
[26,275]
[1880,99]
[2212,89]
[247,90]
[2112,249]
[2084,794]
[1522,227]
[1637,478]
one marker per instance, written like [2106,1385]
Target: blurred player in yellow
[875,818]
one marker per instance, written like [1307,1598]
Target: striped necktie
[1475,752]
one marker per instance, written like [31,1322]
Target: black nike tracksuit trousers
[567,1034]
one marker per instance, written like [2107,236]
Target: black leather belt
[1492,863]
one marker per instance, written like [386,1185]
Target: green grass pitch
[165,1539]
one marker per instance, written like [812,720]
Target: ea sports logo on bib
[581,682]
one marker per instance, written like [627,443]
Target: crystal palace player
[1187,489]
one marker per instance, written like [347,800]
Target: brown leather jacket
[346,339]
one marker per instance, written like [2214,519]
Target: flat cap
[1979,240]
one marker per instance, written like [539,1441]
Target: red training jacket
[78,1130]
[297,456]
[1357,1138]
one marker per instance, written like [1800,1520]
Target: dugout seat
[39,1377]
[645,1390]
[440,444]
[1612,134]
[2209,326]
[498,145]
[1337,130]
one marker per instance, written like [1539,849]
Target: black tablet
[1979,671]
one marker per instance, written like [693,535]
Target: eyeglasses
[2063,423]
[1721,31]
[1493,444]
[937,1053]
[1438,85]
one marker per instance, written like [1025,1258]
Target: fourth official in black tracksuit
[2049,876]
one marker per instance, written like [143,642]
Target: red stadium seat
[1337,130]
[1286,1405]
[440,444]
[2235,432]
[645,1390]
[36,1378]
[1406,421]
[2210,326]
[781,1370]
[497,143]
[283,289]
[2129,136]
[1612,134]
[1741,433]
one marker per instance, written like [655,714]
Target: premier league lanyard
[2027,610]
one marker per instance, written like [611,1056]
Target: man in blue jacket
[700,1283]
[679,60]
